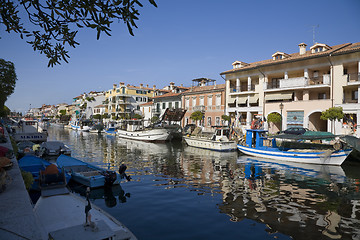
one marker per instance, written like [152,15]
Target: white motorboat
[63,215]
[28,130]
[135,130]
[219,141]
[79,125]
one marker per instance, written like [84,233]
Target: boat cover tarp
[53,145]
[66,161]
[30,160]
[353,141]
[312,135]
[174,114]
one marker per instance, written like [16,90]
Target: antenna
[313,30]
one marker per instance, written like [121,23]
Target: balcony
[199,108]
[353,78]
[299,82]
[242,89]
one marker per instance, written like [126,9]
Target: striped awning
[278,96]
[231,100]
[241,100]
[254,99]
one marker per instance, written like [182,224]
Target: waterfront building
[146,110]
[299,87]
[171,99]
[123,101]
[93,99]
[205,96]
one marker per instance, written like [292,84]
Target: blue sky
[177,42]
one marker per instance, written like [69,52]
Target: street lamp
[281,108]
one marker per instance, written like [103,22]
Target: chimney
[302,48]
[154,87]
[147,85]
[172,85]
[114,85]
[122,84]
[141,85]
[181,85]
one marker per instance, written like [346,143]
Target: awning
[231,100]
[254,99]
[242,100]
[278,96]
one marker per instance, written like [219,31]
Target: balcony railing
[299,82]
[242,88]
[199,108]
[353,78]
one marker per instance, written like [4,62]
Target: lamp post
[281,108]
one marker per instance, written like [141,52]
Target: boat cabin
[221,134]
[134,125]
[257,138]
[27,126]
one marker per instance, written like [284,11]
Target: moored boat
[28,130]
[53,148]
[80,125]
[135,130]
[259,145]
[63,215]
[34,165]
[86,173]
[218,141]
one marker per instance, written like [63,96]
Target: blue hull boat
[87,174]
[34,165]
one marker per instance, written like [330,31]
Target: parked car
[53,148]
[295,130]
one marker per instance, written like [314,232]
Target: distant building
[205,96]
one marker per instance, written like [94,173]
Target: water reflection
[109,194]
[300,201]
[295,199]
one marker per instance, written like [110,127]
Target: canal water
[180,192]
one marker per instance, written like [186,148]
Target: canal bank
[17,218]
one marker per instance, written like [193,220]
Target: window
[201,101]
[209,121]
[322,96]
[209,101]
[170,104]
[218,100]
[163,105]
[187,103]
[319,49]
[278,57]
[217,121]
[194,102]
[176,104]
[354,95]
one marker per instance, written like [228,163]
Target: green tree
[54,21]
[226,118]
[154,119]
[62,112]
[97,116]
[137,116]
[7,80]
[274,117]
[4,111]
[197,116]
[332,114]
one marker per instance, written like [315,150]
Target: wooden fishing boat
[218,141]
[259,145]
[86,173]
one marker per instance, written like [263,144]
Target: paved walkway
[17,219]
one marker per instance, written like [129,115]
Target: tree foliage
[334,113]
[4,111]
[197,115]
[154,119]
[54,21]
[274,117]
[225,117]
[7,80]
[63,112]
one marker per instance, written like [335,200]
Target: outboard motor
[110,178]
[122,173]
